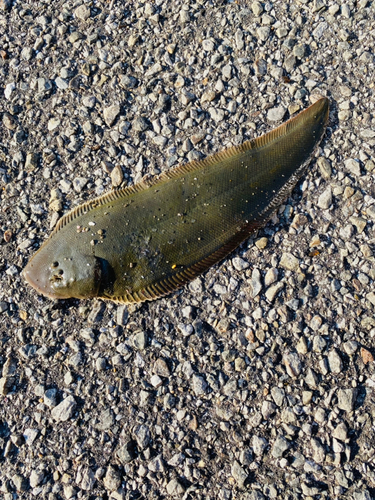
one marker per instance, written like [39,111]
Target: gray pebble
[143,436]
[353,166]
[280,446]
[199,385]
[64,411]
[347,399]
[110,114]
[255,283]
[259,445]
[289,261]
[239,474]
[61,83]
[276,114]
[293,364]
[273,290]
[112,479]
[82,12]
[325,199]
[216,114]
[175,488]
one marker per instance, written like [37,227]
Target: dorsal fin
[147,182]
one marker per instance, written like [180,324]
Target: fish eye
[54,264]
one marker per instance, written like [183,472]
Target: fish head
[61,273]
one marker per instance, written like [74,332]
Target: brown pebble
[8,235]
[367,357]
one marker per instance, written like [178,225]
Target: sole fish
[144,241]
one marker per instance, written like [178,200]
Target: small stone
[263,33]
[260,66]
[353,166]
[347,399]
[79,183]
[259,445]
[117,176]
[161,368]
[280,446]
[50,397]
[261,243]
[127,452]
[325,167]
[199,385]
[341,432]
[318,451]
[319,344]
[87,480]
[239,474]
[140,124]
[27,53]
[240,264]
[175,488]
[345,10]
[6,384]
[31,161]
[268,409]
[208,45]
[20,482]
[110,114]
[82,12]
[350,347]
[311,378]
[64,410]
[273,290]
[143,436]
[9,121]
[216,114]
[36,478]
[289,261]
[112,479]
[53,123]
[325,199]
[276,114]
[61,83]
[255,283]
[366,355]
[140,340]
[278,395]
[335,362]
[293,364]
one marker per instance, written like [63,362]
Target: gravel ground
[255,381]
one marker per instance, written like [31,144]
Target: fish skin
[144,241]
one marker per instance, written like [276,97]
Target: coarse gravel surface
[256,380]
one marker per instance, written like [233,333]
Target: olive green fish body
[144,241]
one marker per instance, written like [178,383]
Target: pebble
[325,199]
[346,399]
[117,176]
[65,410]
[239,474]
[289,261]
[353,166]
[110,114]
[255,283]
[293,364]
[199,385]
[280,446]
[273,290]
[276,114]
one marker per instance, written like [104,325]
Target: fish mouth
[37,274]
